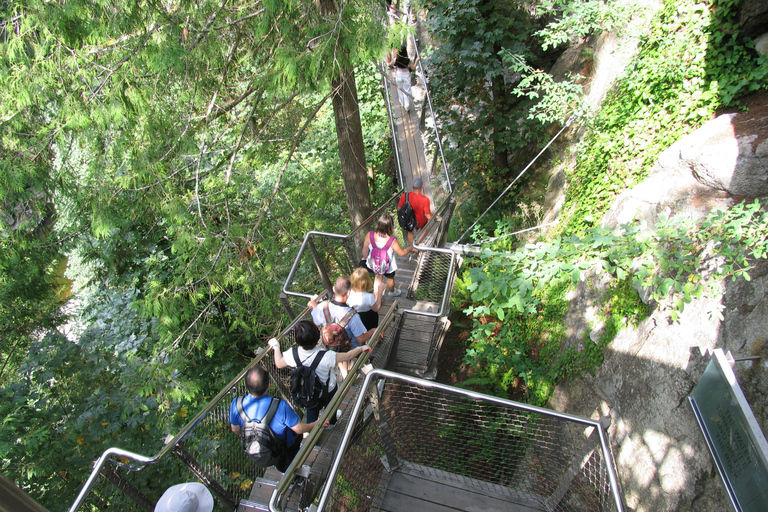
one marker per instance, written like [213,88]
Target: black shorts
[388,275]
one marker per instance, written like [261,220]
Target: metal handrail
[392,126]
[295,265]
[612,477]
[330,409]
[377,213]
[432,114]
[166,449]
[446,294]
[310,234]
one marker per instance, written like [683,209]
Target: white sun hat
[188,497]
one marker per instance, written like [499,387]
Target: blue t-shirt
[256,408]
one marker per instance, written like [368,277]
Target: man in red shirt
[420,204]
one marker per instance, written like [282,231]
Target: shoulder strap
[241,411]
[267,419]
[327,312]
[389,243]
[318,358]
[347,317]
[406,198]
[296,357]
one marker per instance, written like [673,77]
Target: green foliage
[174,148]
[555,99]
[493,95]
[519,296]
[578,19]
[77,399]
[468,83]
[691,63]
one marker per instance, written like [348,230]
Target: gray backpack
[258,440]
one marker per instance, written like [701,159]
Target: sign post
[733,435]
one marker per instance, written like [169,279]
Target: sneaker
[395,293]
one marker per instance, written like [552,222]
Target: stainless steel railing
[486,446]
[381,342]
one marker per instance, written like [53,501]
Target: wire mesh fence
[490,447]
[120,487]
[209,452]
[325,256]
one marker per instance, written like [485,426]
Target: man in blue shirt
[285,425]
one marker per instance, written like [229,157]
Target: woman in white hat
[187,497]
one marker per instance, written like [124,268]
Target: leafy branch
[675,263]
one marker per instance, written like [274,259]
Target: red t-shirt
[420,205]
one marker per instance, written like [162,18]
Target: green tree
[490,81]
[174,142]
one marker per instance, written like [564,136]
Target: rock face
[753,17]
[648,372]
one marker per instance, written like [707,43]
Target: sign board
[733,435]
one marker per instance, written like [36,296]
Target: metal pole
[203,475]
[320,267]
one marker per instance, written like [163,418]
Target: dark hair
[385,225]
[257,381]
[342,286]
[307,334]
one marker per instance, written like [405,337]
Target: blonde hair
[361,281]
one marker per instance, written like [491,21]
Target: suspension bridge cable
[567,124]
[540,226]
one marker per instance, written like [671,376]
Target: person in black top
[403,67]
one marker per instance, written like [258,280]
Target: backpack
[307,390]
[406,217]
[258,440]
[333,334]
[379,258]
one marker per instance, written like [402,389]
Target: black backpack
[258,440]
[307,390]
[406,217]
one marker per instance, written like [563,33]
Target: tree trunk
[500,154]
[349,131]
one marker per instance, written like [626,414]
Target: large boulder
[648,372]
[723,162]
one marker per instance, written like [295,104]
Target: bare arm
[279,360]
[346,356]
[390,57]
[302,427]
[365,336]
[399,250]
[235,429]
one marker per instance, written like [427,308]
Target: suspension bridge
[404,442]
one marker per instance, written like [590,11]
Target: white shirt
[326,369]
[361,301]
